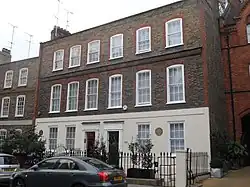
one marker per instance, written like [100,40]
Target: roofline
[18,61]
[134,15]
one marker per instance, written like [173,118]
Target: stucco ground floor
[8,125]
[168,130]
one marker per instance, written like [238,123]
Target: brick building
[153,75]
[235,37]
[17,92]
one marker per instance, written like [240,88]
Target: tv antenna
[67,22]
[57,15]
[29,41]
[12,36]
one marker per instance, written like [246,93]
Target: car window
[8,160]
[66,164]
[98,163]
[47,164]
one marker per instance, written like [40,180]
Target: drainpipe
[231,86]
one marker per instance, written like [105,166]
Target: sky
[37,18]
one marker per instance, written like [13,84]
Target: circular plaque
[159,131]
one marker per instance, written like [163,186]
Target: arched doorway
[245,138]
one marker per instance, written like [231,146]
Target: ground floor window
[177,141]
[70,137]
[53,138]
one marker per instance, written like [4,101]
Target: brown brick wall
[29,90]
[240,61]
[194,88]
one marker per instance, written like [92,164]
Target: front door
[113,147]
[245,139]
[90,143]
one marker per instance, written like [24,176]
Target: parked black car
[67,171]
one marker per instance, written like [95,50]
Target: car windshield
[98,164]
[8,160]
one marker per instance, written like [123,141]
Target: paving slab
[237,178]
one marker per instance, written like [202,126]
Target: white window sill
[75,66]
[114,58]
[175,102]
[93,62]
[7,87]
[4,116]
[142,52]
[55,70]
[143,105]
[71,110]
[54,112]
[114,107]
[90,109]
[176,45]
[18,116]
[22,85]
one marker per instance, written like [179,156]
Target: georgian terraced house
[17,92]
[153,75]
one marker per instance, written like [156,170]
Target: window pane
[75,56]
[115,91]
[174,34]
[92,94]
[117,46]
[143,88]
[143,132]
[20,106]
[94,50]
[176,136]
[143,40]
[58,63]
[248,33]
[53,138]
[5,107]
[73,96]
[70,137]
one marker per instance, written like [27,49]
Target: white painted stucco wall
[196,127]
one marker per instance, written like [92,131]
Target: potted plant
[99,150]
[141,157]
[216,168]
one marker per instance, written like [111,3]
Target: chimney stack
[5,56]
[59,32]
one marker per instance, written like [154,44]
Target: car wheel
[18,183]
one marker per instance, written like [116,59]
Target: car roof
[4,154]
[71,157]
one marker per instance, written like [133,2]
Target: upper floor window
[20,105]
[70,137]
[53,138]
[248,33]
[116,46]
[5,107]
[55,98]
[72,97]
[75,56]
[93,52]
[177,140]
[143,88]
[8,79]
[91,97]
[58,60]
[23,77]
[174,32]
[143,133]
[143,40]
[175,84]
[115,91]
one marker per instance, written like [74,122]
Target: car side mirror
[35,167]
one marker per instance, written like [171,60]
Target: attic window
[222,6]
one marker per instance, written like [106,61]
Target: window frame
[166,32]
[54,60]
[183,83]
[5,116]
[16,112]
[99,51]
[169,134]
[51,94]
[150,131]
[111,47]
[70,126]
[20,75]
[150,88]
[4,130]
[109,101]
[77,97]
[53,127]
[248,34]
[70,56]
[86,95]
[137,40]
[12,73]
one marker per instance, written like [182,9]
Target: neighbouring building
[156,74]
[235,37]
[17,93]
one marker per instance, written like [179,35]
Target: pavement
[237,178]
